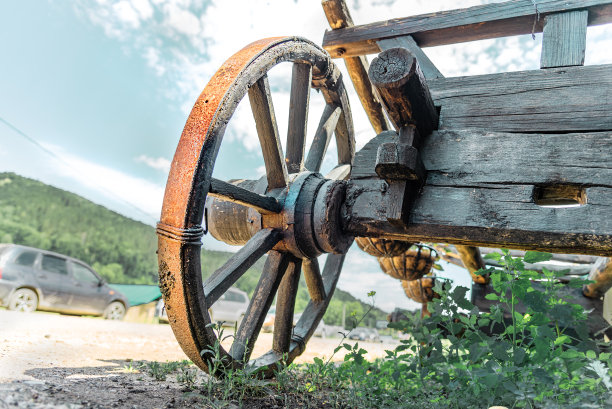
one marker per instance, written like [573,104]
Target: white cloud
[144,9]
[160,163]
[181,21]
[116,186]
[126,13]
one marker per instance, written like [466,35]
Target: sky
[94,94]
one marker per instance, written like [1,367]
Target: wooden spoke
[239,263]
[298,116]
[236,194]
[285,304]
[314,311]
[314,281]
[340,172]
[262,298]
[265,122]
[326,128]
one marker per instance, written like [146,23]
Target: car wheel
[114,311]
[24,300]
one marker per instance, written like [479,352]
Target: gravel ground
[55,361]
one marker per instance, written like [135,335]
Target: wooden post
[427,66]
[564,39]
[602,275]
[338,16]
[403,89]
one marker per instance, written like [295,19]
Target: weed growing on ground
[459,357]
[159,370]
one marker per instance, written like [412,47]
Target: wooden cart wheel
[292,214]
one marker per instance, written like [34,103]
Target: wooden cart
[472,161]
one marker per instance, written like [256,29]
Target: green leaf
[490,380]
[500,351]
[492,297]
[535,256]
[519,356]
[563,339]
[459,293]
[591,354]
[477,351]
[493,256]
[535,300]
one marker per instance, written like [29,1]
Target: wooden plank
[474,157]
[236,194]
[267,130]
[457,26]
[285,306]
[479,191]
[564,39]
[338,16]
[527,101]
[327,125]
[222,279]
[427,66]
[298,116]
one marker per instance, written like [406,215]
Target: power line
[65,163]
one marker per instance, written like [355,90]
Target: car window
[82,273]
[26,258]
[54,264]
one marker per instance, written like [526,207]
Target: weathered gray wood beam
[480,192]
[427,66]
[564,39]
[527,101]
[338,16]
[399,80]
[456,26]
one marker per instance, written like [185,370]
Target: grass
[542,358]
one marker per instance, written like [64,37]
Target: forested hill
[122,250]
[38,215]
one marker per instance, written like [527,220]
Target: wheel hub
[310,219]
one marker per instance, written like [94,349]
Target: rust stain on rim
[174,248]
[195,132]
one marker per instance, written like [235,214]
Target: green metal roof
[138,294]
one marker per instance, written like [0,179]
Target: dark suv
[32,279]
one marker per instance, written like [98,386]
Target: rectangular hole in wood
[559,196]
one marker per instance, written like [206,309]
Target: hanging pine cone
[410,265]
[382,247]
[420,290]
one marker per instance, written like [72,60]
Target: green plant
[540,357]
[160,370]
[187,377]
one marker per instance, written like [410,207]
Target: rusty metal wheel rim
[190,181]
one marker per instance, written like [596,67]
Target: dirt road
[56,361]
